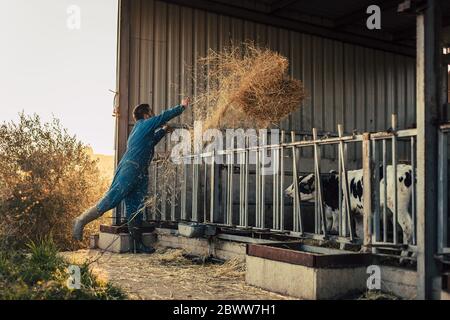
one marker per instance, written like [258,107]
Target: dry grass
[245,86]
[167,274]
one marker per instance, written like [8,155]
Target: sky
[58,58]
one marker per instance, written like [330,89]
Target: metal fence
[236,188]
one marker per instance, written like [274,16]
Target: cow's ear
[333,172]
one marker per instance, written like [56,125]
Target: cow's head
[306,188]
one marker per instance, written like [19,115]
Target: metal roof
[343,20]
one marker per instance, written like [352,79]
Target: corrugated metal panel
[352,85]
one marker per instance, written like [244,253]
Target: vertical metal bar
[319,195]
[183,192]
[275,188]
[173,196]
[258,192]
[342,224]
[195,190]
[205,191]
[394,173]
[384,192]
[212,188]
[229,220]
[281,211]
[367,190]
[347,221]
[413,190]
[241,188]
[442,192]
[247,153]
[263,183]
[376,193]
[297,216]
[155,185]
[164,203]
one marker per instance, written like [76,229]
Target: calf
[330,196]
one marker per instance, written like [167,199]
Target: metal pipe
[275,189]
[394,172]
[297,217]
[376,193]
[341,216]
[229,220]
[318,193]
[205,190]
[442,192]
[413,189]
[241,188]
[281,211]
[247,153]
[173,196]
[343,157]
[263,184]
[258,192]
[183,193]
[194,191]
[212,189]
[155,182]
[384,192]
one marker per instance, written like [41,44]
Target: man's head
[142,112]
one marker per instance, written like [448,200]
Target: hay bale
[245,86]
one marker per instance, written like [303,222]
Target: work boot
[141,248]
[81,221]
[137,245]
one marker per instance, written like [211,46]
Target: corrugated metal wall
[356,86]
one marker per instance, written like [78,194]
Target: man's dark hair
[140,111]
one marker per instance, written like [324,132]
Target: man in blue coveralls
[130,181]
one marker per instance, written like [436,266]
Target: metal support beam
[428,96]
[277,5]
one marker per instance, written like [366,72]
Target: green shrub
[40,273]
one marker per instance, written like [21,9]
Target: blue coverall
[130,181]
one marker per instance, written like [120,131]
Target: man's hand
[186,102]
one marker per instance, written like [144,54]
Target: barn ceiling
[343,20]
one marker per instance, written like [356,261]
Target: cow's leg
[405,223]
[359,227]
[329,218]
[335,228]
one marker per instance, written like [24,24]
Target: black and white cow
[330,196]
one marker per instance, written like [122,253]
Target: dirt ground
[167,274]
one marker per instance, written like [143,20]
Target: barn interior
[377,98]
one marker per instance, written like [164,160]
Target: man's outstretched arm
[161,119]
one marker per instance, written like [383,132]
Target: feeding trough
[305,271]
